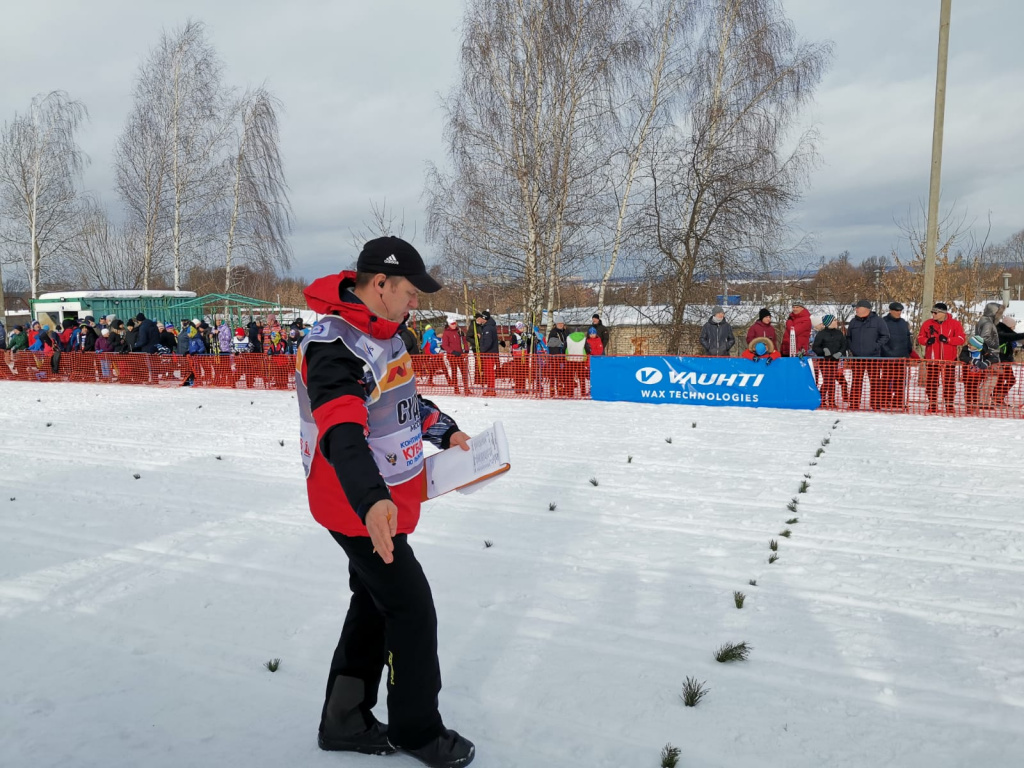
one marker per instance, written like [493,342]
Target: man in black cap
[602,330]
[896,352]
[362,432]
[867,335]
[148,336]
[486,336]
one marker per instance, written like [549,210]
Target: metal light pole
[1006,289]
[878,289]
[933,191]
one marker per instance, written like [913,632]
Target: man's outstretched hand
[382,525]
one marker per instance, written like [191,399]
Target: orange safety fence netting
[904,385]
[886,385]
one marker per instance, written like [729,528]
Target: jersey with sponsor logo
[345,375]
[393,417]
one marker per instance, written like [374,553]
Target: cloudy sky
[361,80]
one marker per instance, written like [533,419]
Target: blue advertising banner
[787,382]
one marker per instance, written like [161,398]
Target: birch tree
[724,180]
[260,215]
[647,83]
[40,174]
[106,256]
[523,132]
[169,160]
[141,162]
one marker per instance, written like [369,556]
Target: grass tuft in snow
[629,459]
[808,476]
[793,521]
[552,506]
[272,665]
[49,423]
[752,582]
[136,475]
[825,441]
[218,458]
[281,443]
[593,481]
[773,545]
[817,454]
[803,487]
[773,557]
[693,691]
[732,652]
[668,440]
[835,422]
[694,425]
[670,756]
[488,543]
[738,598]
[786,533]
[792,505]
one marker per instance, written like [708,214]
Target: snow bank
[136,614]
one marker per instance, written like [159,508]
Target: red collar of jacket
[330,296]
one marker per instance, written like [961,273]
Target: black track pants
[391,623]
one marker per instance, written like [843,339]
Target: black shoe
[344,727]
[449,750]
[372,741]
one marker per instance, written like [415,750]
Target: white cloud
[360,84]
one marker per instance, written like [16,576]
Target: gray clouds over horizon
[360,85]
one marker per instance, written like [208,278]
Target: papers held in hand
[468,471]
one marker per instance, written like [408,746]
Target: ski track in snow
[135,615]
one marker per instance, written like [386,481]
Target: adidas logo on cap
[391,260]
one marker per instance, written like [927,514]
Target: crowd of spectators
[867,348]
[198,338]
[880,351]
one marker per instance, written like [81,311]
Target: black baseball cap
[896,306]
[393,256]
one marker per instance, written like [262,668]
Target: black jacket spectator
[131,337]
[147,337]
[561,337]
[830,342]
[867,336]
[717,339]
[412,346]
[167,339]
[900,343]
[602,330]
[87,339]
[487,335]
[1006,339]
[255,334]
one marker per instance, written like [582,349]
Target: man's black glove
[931,340]
[943,339]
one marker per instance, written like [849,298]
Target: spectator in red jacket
[797,338]
[456,346]
[763,328]
[941,336]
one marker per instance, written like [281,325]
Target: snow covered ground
[136,614]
